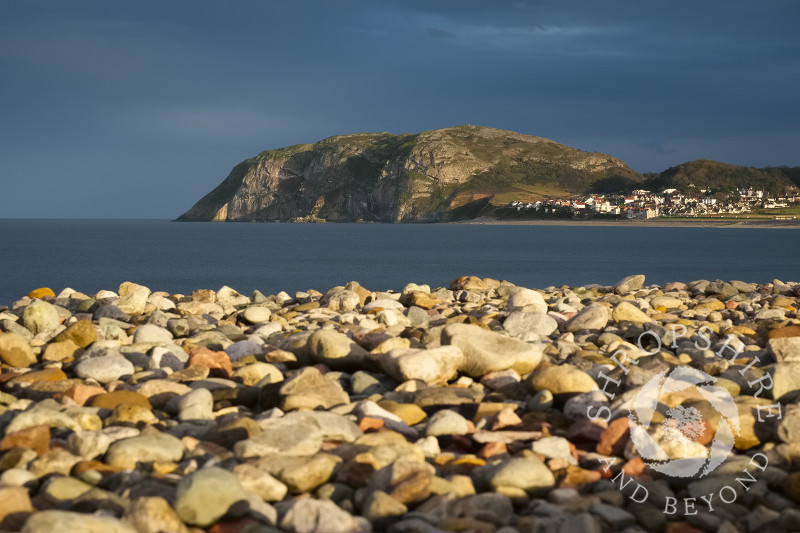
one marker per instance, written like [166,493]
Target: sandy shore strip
[652,223]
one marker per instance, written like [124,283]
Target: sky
[120,109]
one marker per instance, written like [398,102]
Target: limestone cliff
[430,176]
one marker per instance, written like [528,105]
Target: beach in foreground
[480,406]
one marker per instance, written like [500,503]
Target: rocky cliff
[435,175]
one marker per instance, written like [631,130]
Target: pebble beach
[478,407]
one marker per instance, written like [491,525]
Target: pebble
[104,369]
[49,521]
[562,379]
[526,299]
[592,317]
[256,314]
[309,389]
[205,496]
[287,436]
[528,474]
[15,350]
[132,298]
[15,506]
[629,284]
[487,351]
[40,316]
[436,366]
[153,514]
[625,311]
[149,333]
[196,405]
[529,326]
[336,350]
[447,422]
[153,447]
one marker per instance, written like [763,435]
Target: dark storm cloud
[137,109]
[437,33]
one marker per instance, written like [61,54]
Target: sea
[178,257]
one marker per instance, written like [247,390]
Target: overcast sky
[135,109]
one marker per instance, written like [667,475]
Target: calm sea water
[89,255]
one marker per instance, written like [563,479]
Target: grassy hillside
[722,177]
[444,174]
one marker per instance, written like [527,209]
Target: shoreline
[652,223]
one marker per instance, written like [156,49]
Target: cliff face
[394,178]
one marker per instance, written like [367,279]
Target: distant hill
[723,177]
[446,174]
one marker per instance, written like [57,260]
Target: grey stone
[336,350]
[196,405]
[240,349]
[529,326]
[149,333]
[741,286]
[41,415]
[287,435]
[253,478]
[50,521]
[554,448]
[300,474]
[526,299]
[486,351]
[343,300]
[583,522]
[178,327]
[435,366]
[162,357]
[617,518]
[418,317]
[362,382]
[629,284]
[227,296]
[104,369]
[153,447]
[487,506]
[88,444]
[111,311]
[721,289]
[592,317]
[10,326]
[788,430]
[307,515]
[785,349]
[446,422]
[332,426]
[446,396]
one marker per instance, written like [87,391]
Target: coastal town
[645,204]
